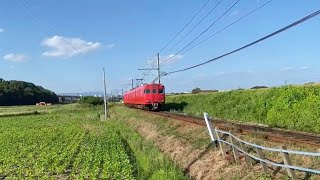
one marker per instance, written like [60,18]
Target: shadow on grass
[174,106]
[205,151]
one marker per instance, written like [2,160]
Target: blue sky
[122,35]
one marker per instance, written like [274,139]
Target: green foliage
[24,93]
[65,143]
[149,162]
[292,107]
[90,100]
[70,142]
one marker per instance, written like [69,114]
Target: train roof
[146,84]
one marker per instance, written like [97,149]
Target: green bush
[291,107]
[90,100]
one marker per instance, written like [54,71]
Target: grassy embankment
[72,142]
[290,107]
[186,143]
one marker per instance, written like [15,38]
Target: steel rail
[277,135]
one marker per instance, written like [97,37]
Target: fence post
[209,126]
[244,149]
[220,144]
[261,156]
[235,150]
[287,161]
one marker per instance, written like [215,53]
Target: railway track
[274,134]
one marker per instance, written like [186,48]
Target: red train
[149,96]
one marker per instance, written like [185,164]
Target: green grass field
[71,142]
[290,107]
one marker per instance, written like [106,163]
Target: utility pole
[131,83]
[158,68]
[139,82]
[126,85]
[105,95]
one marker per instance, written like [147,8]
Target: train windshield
[161,91]
[154,91]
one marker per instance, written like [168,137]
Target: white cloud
[110,46]
[68,47]
[1,30]
[15,57]
[169,59]
[288,68]
[303,67]
[221,73]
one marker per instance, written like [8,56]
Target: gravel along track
[274,134]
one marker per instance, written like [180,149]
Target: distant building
[68,99]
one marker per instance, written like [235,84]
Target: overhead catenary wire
[222,26]
[42,20]
[172,39]
[185,26]
[226,27]
[221,16]
[212,10]
[254,42]
[144,66]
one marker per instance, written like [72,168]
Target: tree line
[24,93]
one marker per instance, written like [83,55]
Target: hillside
[291,107]
[24,93]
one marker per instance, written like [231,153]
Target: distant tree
[259,87]
[24,93]
[90,100]
[196,90]
[309,83]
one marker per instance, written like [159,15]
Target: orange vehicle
[42,104]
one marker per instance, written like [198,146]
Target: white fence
[240,147]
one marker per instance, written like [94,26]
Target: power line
[42,20]
[195,26]
[184,26]
[153,64]
[254,42]
[221,26]
[231,24]
[146,63]
[203,31]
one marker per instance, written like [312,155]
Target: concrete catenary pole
[158,68]
[132,83]
[122,92]
[105,95]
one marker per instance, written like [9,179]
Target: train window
[147,91]
[154,91]
[161,91]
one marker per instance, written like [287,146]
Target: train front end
[154,96]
